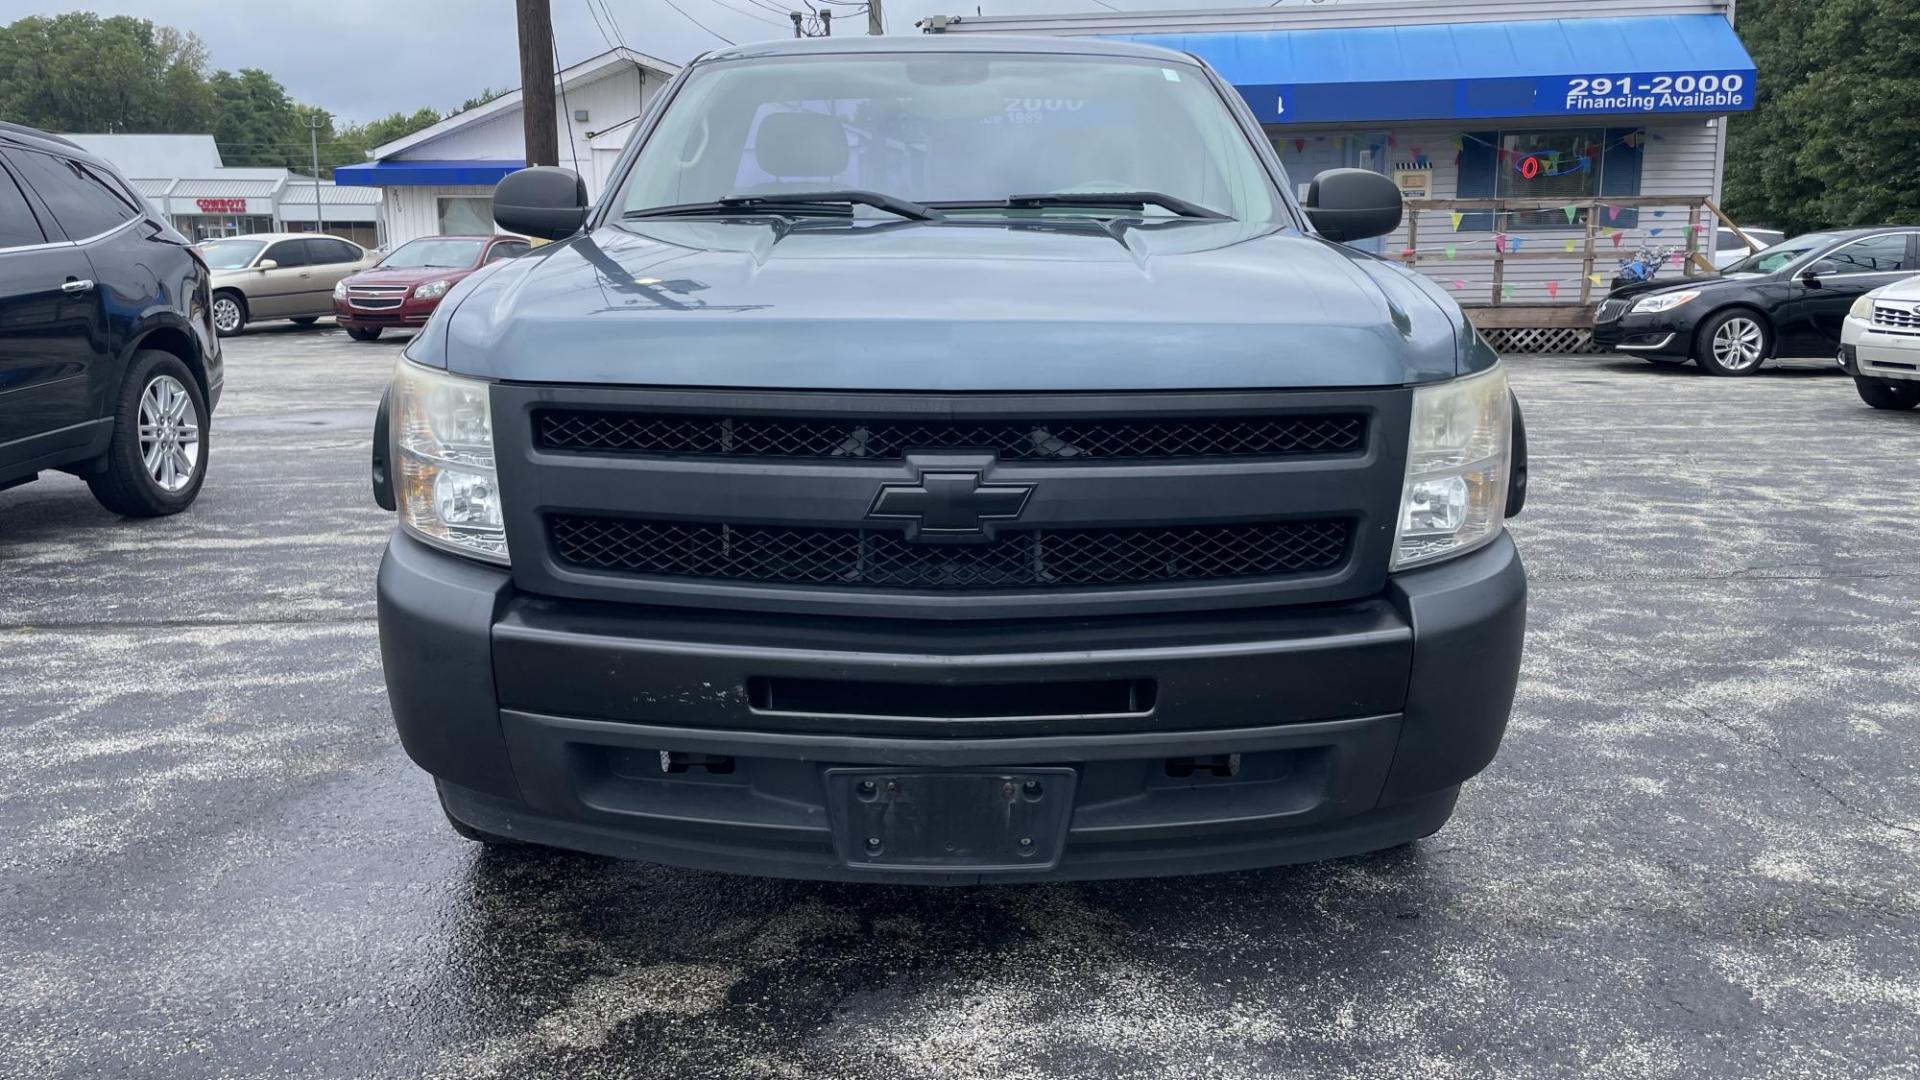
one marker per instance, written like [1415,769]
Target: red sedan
[403,289]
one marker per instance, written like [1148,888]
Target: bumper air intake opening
[917,701]
[1204,766]
[678,762]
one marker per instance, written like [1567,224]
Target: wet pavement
[1698,853]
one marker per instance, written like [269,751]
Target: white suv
[1880,345]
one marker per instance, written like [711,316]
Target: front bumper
[1868,352]
[411,313]
[1663,334]
[1349,726]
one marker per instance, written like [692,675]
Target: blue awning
[417,173]
[1442,71]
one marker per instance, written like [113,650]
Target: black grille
[1092,439]
[1064,557]
[1610,310]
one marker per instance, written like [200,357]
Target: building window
[1550,165]
[466,215]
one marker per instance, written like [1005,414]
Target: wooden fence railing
[1550,243]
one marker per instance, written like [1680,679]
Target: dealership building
[440,179]
[186,182]
[1541,144]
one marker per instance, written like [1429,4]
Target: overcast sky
[360,59]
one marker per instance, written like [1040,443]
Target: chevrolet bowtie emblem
[950,505]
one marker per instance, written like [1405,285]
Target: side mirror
[1820,268]
[1353,204]
[543,201]
[266,264]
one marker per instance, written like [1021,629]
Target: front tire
[1733,342]
[366,333]
[157,458]
[1887,393]
[229,313]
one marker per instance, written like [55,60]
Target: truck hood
[980,305]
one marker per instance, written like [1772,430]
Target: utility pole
[795,16]
[313,139]
[826,23]
[535,19]
[874,21]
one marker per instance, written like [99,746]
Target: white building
[1575,132]
[440,179]
[188,184]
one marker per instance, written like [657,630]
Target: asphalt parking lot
[1697,855]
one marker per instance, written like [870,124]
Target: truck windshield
[953,128]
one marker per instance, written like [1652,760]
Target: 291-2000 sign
[1602,85]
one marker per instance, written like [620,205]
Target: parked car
[109,366]
[1728,248]
[1880,345]
[404,287]
[1788,300]
[263,276]
[1079,509]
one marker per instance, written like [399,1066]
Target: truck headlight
[1654,305]
[1455,495]
[445,484]
[432,290]
[340,289]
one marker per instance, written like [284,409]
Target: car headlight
[1653,305]
[1862,308]
[1455,495]
[340,289]
[432,290]
[447,490]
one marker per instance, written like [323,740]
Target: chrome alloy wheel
[1737,344]
[226,314]
[169,434]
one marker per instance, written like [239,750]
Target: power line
[619,34]
[560,77]
[698,23]
[604,36]
[747,13]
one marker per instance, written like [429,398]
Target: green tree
[257,123]
[80,72]
[1834,138]
[475,102]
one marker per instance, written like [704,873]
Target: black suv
[950,459]
[109,367]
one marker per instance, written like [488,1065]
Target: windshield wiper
[794,204]
[1128,200]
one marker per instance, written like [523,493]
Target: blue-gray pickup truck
[950,460]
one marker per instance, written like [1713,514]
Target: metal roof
[155,155]
[226,189]
[339,203]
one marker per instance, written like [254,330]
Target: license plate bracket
[975,821]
